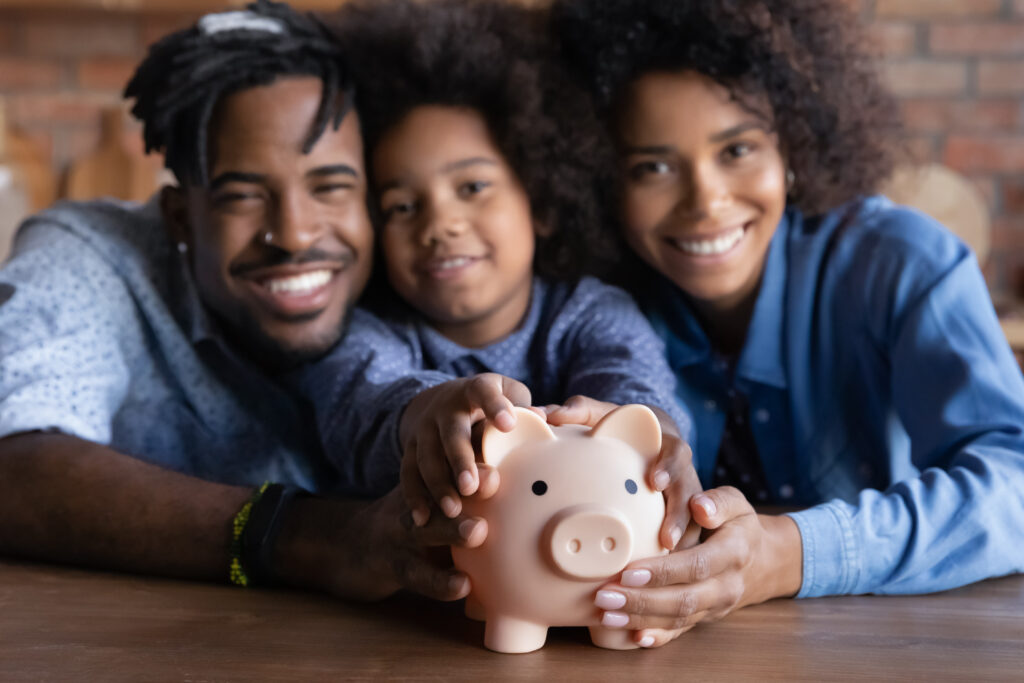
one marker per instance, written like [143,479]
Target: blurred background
[956,65]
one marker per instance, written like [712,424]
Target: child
[487,220]
[838,351]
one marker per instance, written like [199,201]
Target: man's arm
[64,499]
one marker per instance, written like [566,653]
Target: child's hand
[746,559]
[672,472]
[438,458]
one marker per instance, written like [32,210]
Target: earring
[182,248]
[790,179]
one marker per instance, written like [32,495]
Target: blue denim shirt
[103,337]
[882,392]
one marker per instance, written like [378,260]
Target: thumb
[714,507]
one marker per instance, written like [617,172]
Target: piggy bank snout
[589,542]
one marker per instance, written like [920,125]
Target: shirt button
[786,491]
[762,415]
[710,405]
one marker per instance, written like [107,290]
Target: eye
[332,187]
[649,168]
[738,150]
[472,187]
[539,487]
[399,210]
[630,486]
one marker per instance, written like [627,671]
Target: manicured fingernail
[614,619]
[675,533]
[450,507]
[420,516]
[610,600]
[466,483]
[709,505]
[466,528]
[646,641]
[636,577]
[661,480]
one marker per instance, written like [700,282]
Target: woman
[837,351]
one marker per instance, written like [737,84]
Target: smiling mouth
[450,267]
[715,246]
[302,284]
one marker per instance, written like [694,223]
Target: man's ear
[174,207]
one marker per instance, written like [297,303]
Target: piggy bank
[571,511]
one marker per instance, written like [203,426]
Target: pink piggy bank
[571,511]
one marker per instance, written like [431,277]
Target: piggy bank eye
[631,486]
[540,487]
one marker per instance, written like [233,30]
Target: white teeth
[719,245]
[299,284]
[456,262]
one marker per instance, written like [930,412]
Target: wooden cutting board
[113,169]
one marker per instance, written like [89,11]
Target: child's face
[458,234]
[704,186]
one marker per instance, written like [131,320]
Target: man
[144,350]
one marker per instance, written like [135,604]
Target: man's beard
[249,339]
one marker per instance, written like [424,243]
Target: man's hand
[367,551]
[746,559]
[672,472]
[438,457]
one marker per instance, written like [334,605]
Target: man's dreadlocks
[186,73]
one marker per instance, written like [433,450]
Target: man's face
[280,242]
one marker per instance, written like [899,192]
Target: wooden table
[60,624]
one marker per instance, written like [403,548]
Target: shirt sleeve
[613,354]
[63,311]
[960,396]
[359,393]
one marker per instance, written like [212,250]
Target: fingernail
[646,641]
[676,533]
[420,516]
[456,583]
[636,577]
[450,507]
[610,600]
[661,480]
[709,505]
[614,619]
[466,482]
[466,528]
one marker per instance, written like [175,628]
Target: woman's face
[704,185]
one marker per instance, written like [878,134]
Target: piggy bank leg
[474,609]
[508,634]
[613,638]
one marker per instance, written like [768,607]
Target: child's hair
[186,74]
[494,58]
[836,123]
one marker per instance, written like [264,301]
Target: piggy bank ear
[635,424]
[530,427]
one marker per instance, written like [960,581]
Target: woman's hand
[745,559]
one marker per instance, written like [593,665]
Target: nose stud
[268,237]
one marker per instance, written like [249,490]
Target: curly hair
[496,59]
[186,74]
[837,125]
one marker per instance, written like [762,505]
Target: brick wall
[957,65]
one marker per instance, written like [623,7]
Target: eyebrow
[235,177]
[334,169]
[721,136]
[447,168]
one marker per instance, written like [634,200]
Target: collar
[503,356]
[762,357]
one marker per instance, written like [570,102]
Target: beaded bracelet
[237,571]
[254,533]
